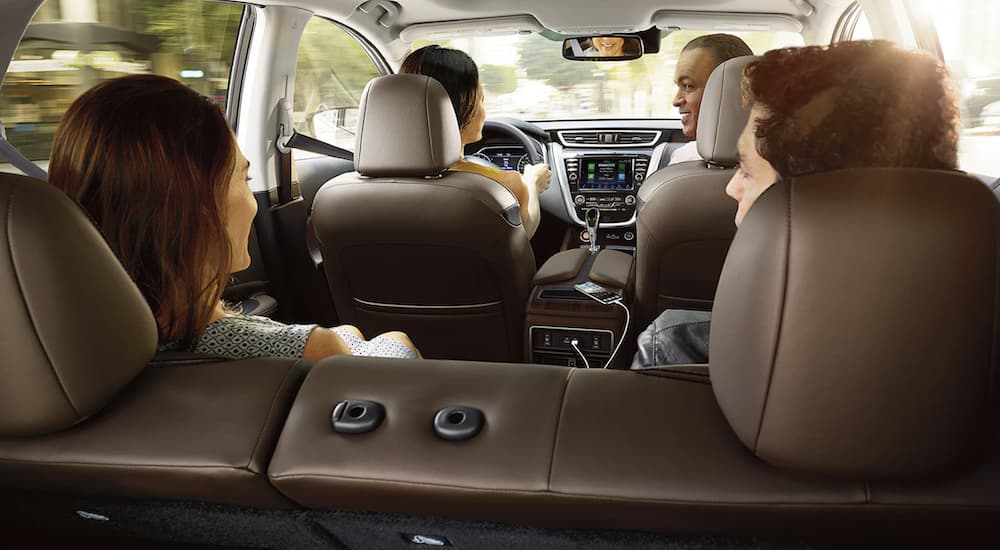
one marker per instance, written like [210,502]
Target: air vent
[638,138]
[579,138]
[609,138]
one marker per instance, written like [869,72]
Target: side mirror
[612,47]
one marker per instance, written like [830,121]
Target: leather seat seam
[117,465]
[555,438]
[549,491]
[718,120]
[27,309]
[274,400]
[434,183]
[427,120]
[781,320]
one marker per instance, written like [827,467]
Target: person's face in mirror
[754,174]
[691,75]
[610,46]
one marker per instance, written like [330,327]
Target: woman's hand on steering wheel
[538,175]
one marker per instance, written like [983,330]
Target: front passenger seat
[685,219]
[409,246]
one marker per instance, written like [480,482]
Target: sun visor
[490,26]
[730,22]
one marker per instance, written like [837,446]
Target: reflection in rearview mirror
[617,47]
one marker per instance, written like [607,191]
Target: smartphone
[598,292]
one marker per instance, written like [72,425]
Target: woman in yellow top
[459,76]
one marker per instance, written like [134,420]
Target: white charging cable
[624,333]
[573,343]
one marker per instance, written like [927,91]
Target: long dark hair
[151,161]
[456,72]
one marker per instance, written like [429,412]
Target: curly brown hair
[852,105]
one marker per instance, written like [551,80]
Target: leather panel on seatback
[202,432]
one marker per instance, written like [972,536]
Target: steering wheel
[515,133]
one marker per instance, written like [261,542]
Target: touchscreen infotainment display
[606,174]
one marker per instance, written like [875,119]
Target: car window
[331,71]
[971,47]
[71,46]
[525,76]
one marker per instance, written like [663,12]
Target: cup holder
[355,416]
[458,423]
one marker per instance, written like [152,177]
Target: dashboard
[595,164]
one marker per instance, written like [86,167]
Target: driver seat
[408,245]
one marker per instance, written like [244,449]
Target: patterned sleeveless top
[248,336]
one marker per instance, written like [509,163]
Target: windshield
[525,76]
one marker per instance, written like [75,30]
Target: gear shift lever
[593,218]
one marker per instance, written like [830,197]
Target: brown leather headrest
[855,322]
[74,328]
[407,127]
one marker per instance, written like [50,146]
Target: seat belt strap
[285,160]
[9,153]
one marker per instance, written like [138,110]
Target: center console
[558,315]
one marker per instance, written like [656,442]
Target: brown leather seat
[856,323]
[685,221]
[408,246]
[853,363]
[80,411]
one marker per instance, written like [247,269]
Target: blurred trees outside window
[72,45]
[330,73]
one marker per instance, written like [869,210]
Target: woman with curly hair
[819,109]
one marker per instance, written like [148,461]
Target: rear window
[70,46]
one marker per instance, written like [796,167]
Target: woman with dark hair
[158,169]
[459,76]
[818,109]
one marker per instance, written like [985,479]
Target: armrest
[563,266]
[612,268]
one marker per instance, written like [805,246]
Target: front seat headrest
[855,324]
[407,127]
[723,114]
[75,329]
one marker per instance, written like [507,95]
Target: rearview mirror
[612,47]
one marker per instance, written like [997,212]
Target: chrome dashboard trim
[656,138]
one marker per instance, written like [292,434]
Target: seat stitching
[555,440]
[718,119]
[427,119]
[34,325]
[270,409]
[781,319]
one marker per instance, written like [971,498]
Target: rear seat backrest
[854,331]
[75,329]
